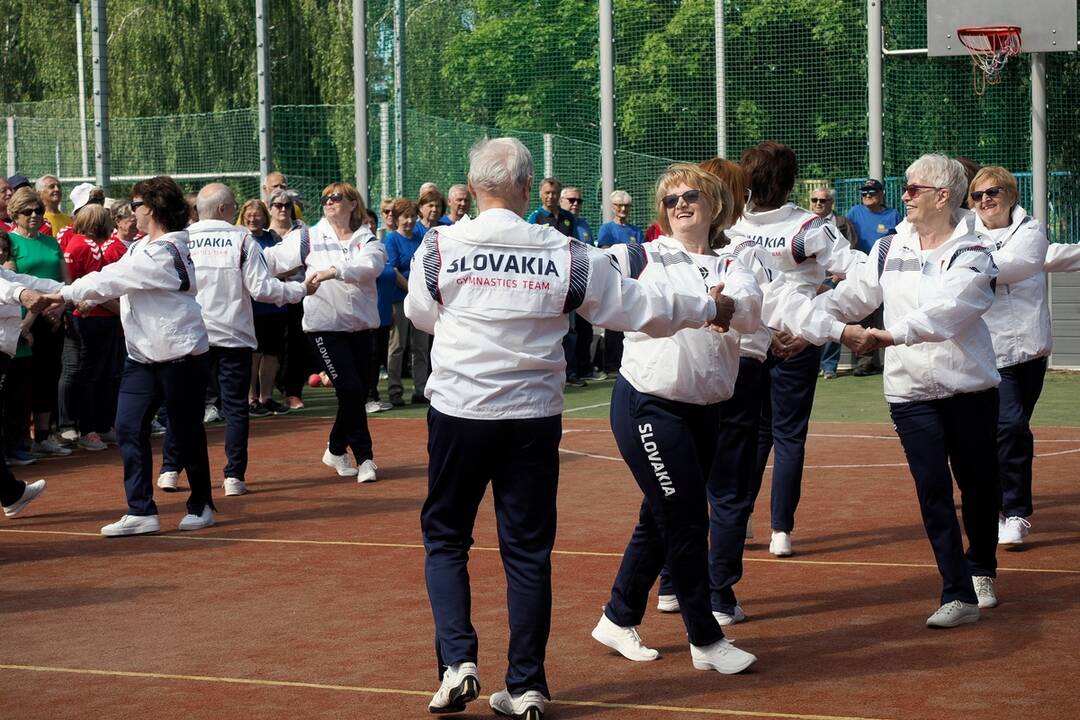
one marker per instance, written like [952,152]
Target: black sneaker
[397,401]
[419,400]
[275,407]
[576,382]
[257,409]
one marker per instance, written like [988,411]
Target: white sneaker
[623,640]
[32,491]
[366,471]
[780,545]
[132,525]
[984,590]
[377,406]
[722,656]
[168,480]
[69,435]
[668,603]
[92,441]
[234,486]
[749,528]
[342,463]
[198,522]
[1012,530]
[725,619]
[952,614]
[48,446]
[529,705]
[460,686]
[211,414]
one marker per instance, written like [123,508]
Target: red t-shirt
[84,256]
[653,232]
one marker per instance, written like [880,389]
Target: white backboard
[1046,25]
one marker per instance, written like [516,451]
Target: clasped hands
[311,283]
[725,309]
[41,303]
[862,340]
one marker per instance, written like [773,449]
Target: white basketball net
[990,48]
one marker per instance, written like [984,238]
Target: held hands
[37,302]
[862,340]
[725,308]
[785,345]
[311,284]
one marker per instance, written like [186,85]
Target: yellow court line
[417,693]
[483,548]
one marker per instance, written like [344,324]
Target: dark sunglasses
[332,198]
[916,189]
[689,197]
[990,192]
[817,201]
[32,211]
[869,193]
[136,204]
[574,200]
[280,206]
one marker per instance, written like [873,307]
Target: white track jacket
[11,286]
[695,365]
[156,284]
[496,291]
[231,271]
[347,304]
[1062,257]
[934,302]
[1019,319]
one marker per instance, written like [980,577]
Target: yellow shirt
[58,220]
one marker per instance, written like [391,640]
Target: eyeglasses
[332,198]
[916,189]
[136,204]
[573,201]
[819,201]
[32,211]
[990,192]
[689,197]
[622,205]
[869,193]
[279,206]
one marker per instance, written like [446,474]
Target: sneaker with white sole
[49,447]
[952,614]
[623,640]
[366,471]
[211,415]
[529,705]
[69,435]
[460,686]
[722,656]
[19,458]
[984,590]
[723,618]
[197,522]
[342,463]
[168,480]
[780,545]
[234,486]
[132,525]
[31,491]
[156,428]
[92,441]
[1013,530]
[668,603]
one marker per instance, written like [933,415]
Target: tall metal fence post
[549,155]
[10,146]
[721,77]
[874,90]
[384,149]
[99,58]
[262,69]
[81,69]
[607,107]
[360,133]
[399,97]
[1040,184]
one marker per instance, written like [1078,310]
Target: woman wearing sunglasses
[1019,322]
[345,258]
[936,279]
[664,416]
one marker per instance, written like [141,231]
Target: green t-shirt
[39,256]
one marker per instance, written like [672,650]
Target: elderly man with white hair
[496,292]
[458,203]
[230,272]
[935,279]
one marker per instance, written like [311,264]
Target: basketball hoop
[990,48]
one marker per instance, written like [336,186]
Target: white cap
[80,195]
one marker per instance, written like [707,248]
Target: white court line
[1059,452]
[586,407]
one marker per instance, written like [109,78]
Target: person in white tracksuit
[496,292]
[230,272]
[936,280]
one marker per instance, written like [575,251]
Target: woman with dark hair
[401,245]
[342,254]
[167,354]
[430,208]
[297,358]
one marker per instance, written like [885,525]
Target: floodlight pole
[384,149]
[721,78]
[99,58]
[874,90]
[1039,166]
[262,82]
[360,137]
[81,66]
[607,108]
[399,97]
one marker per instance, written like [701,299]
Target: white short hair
[500,164]
[457,188]
[828,191]
[620,197]
[941,172]
[39,185]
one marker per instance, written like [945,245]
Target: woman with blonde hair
[664,414]
[342,254]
